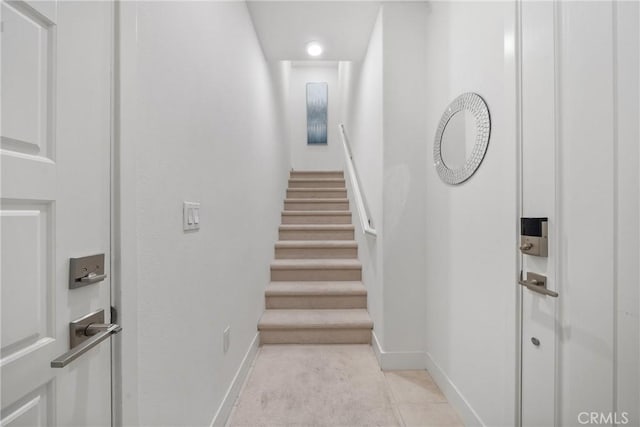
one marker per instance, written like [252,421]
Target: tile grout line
[426,403]
[394,402]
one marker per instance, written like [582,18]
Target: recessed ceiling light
[314,49]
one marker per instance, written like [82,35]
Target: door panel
[56,61]
[34,410]
[27,43]
[573,145]
[28,227]
[588,167]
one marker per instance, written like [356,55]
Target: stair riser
[307,194]
[316,206]
[316,219]
[317,253]
[316,336]
[317,184]
[288,275]
[316,235]
[316,175]
[316,302]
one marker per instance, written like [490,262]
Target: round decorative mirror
[462,138]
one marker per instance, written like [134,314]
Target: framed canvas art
[317,94]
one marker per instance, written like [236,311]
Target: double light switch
[191,216]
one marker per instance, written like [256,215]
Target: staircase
[316,295]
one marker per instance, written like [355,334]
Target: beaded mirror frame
[473,103]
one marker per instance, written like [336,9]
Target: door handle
[85,333]
[537,283]
[74,353]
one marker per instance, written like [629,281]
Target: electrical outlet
[226,339]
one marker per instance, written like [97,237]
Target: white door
[579,109]
[56,95]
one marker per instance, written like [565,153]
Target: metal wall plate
[536,246]
[534,234]
[86,271]
[78,326]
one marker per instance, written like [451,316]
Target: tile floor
[418,400]
[336,385]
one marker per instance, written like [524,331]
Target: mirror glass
[458,139]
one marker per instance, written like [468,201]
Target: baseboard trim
[224,410]
[377,348]
[397,360]
[453,395]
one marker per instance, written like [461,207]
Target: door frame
[516,69]
[115,222]
[115,357]
[514,93]
[124,292]
[513,90]
[513,125]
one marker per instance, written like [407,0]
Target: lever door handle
[79,350]
[537,283]
[95,328]
[535,287]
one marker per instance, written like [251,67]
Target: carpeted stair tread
[308,288]
[315,200]
[315,319]
[315,189]
[314,213]
[316,244]
[315,264]
[305,227]
[301,178]
[306,173]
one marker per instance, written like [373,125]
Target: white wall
[383,104]
[361,112]
[281,71]
[627,37]
[316,156]
[199,122]
[405,152]
[471,228]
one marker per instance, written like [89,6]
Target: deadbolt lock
[86,271]
[534,236]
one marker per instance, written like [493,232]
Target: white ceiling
[342,27]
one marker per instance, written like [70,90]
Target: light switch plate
[190,216]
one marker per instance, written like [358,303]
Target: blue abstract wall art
[317,94]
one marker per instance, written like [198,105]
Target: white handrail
[363,212]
